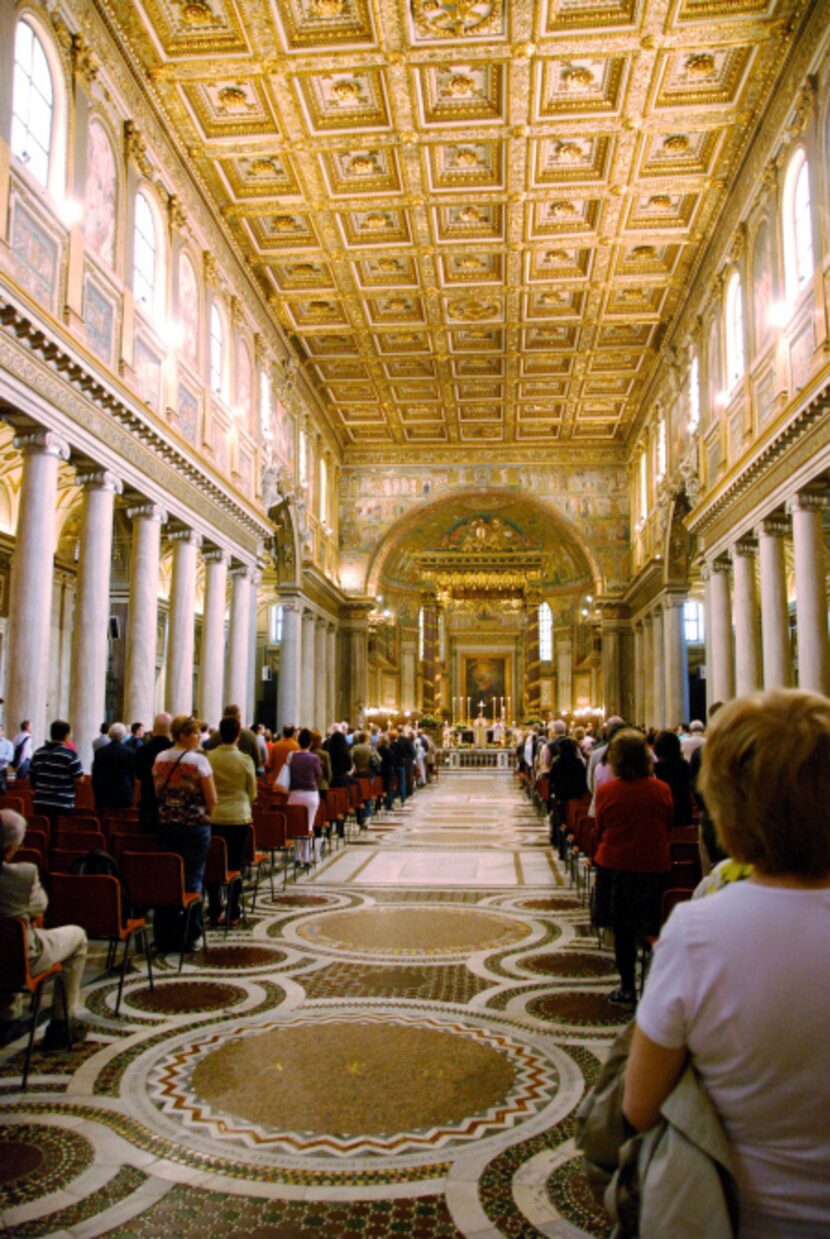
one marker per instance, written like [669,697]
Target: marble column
[676,662]
[775,616]
[331,676]
[251,693]
[564,674]
[181,623]
[648,672]
[239,637]
[745,610]
[322,675]
[142,616]
[532,684]
[30,597]
[87,690]
[721,678]
[409,661]
[610,656]
[288,689]
[810,591]
[308,671]
[658,669]
[639,674]
[358,664]
[212,653]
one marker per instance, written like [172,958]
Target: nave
[392,1046]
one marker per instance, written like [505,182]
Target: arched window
[188,309]
[100,194]
[145,254]
[265,404]
[797,226]
[545,632]
[662,449]
[324,490]
[694,394]
[33,104]
[734,331]
[217,351]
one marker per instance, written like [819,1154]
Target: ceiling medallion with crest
[457,18]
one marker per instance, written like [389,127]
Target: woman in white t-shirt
[739,980]
[186,793]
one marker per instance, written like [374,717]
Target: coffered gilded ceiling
[474,218]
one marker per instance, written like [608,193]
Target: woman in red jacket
[634,814]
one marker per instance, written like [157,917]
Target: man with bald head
[143,765]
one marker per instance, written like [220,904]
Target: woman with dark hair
[737,979]
[671,767]
[634,816]
[305,771]
[568,781]
[337,747]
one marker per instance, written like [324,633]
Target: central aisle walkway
[394,1046]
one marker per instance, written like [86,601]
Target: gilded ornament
[577,78]
[262,167]
[388,266]
[456,18]
[283,224]
[561,210]
[459,86]
[362,165]
[327,8]
[374,222]
[233,98]
[346,91]
[659,202]
[567,152]
[701,65]
[465,158]
[676,144]
[196,13]
[470,215]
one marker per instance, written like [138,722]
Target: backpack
[96,862]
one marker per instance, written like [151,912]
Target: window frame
[733,314]
[151,306]
[793,232]
[54,182]
[694,392]
[217,373]
[545,623]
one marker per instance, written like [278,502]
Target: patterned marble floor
[393,1046]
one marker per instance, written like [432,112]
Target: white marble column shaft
[288,689]
[639,674]
[775,618]
[239,640]
[810,592]
[308,671]
[30,597]
[745,608]
[359,642]
[88,685]
[332,672]
[658,669]
[676,661]
[648,672]
[181,624]
[142,616]
[409,660]
[212,650]
[611,695]
[564,674]
[721,681]
[321,675]
[251,686]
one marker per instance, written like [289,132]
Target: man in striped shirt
[54,771]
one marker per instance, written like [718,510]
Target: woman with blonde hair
[738,980]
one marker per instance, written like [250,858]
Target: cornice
[74,386]
[794,443]
[643,590]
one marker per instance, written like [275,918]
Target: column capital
[321,622]
[808,501]
[148,512]
[42,443]
[721,564]
[188,536]
[777,526]
[291,603]
[216,555]
[745,546]
[98,479]
[240,570]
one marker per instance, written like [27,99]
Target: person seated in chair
[22,895]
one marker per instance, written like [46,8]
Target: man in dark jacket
[246,742]
[143,766]
[113,772]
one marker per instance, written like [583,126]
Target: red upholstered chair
[79,839]
[35,857]
[61,860]
[78,821]
[270,835]
[156,880]
[16,977]
[93,901]
[217,873]
[119,844]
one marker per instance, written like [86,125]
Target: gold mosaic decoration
[437,194]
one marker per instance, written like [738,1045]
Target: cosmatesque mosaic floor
[393,1046]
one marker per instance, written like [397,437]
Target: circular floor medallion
[570,964]
[235,957]
[35,1160]
[179,997]
[351,1085]
[575,1007]
[301,901]
[412,931]
[549,905]
[570,1194]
